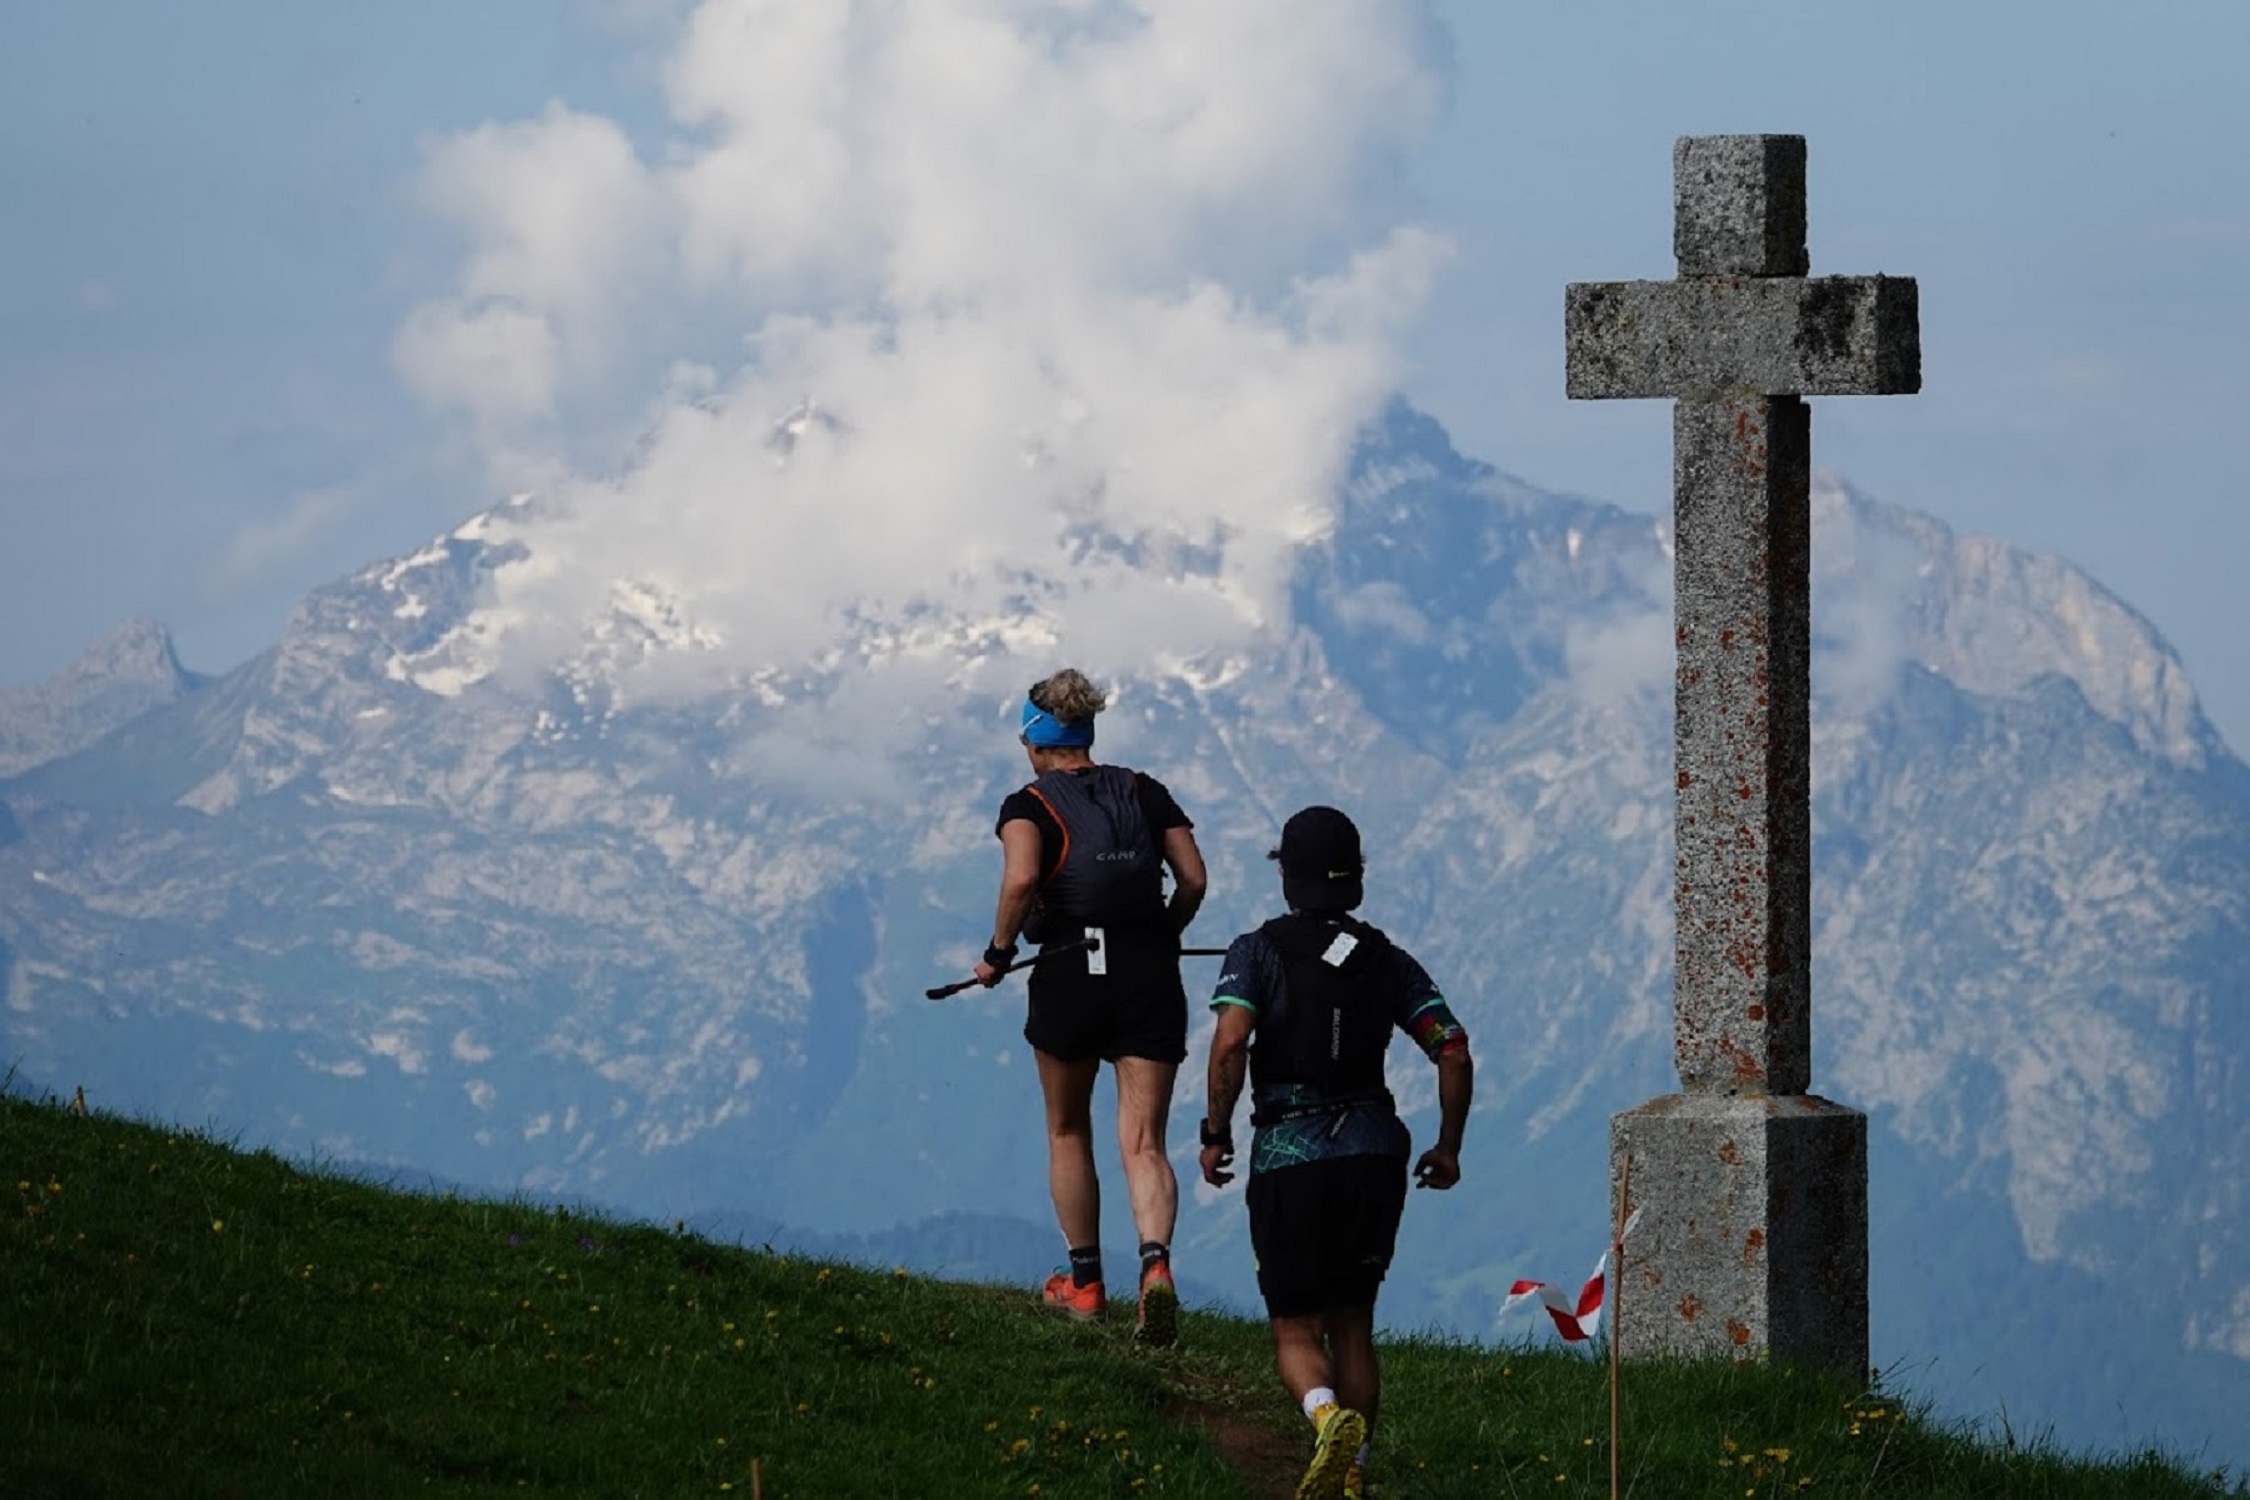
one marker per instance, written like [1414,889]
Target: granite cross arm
[1713,337]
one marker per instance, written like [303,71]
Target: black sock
[1085,1264]
[1154,1252]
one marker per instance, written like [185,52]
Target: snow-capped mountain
[387,895]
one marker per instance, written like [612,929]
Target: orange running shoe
[1157,1324]
[1084,1303]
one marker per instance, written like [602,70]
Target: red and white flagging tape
[1577,1319]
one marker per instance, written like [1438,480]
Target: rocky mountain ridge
[378,895]
[115,680]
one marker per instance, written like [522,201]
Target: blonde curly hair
[1070,696]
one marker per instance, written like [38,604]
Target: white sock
[1318,1397]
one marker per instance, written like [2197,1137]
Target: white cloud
[267,543]
[496,361]
[401,1049]
[1615,660]
[1864,579]
[558,213]
[1630,653]
[1090,297]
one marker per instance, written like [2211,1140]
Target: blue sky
[221,219]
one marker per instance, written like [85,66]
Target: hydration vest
[1110,869]
[1333,1026]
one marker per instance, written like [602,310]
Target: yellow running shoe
[1341,1430]
[1157,1325]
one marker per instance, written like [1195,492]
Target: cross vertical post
[1753,1190]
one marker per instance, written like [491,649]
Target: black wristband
[998,956]
[1224,1139]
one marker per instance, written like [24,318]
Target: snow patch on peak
[388,576]
[497,524]
[463,657]
[655,618]
[1206,673]
[646,625]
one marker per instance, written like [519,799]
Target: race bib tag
[1097,961]
[1339,950]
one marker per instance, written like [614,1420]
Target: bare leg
[1351,1345]
[1299,1357]
[1144,1099]
[1302,1358]
[1069,1091]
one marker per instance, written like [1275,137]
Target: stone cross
[1752,1190]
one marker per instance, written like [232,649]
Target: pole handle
[958,985]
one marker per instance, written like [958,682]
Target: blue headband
[1043,728]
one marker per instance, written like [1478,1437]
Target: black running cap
[1321,864]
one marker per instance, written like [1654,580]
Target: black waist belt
[1278,1114]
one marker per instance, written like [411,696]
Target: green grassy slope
[181,1319]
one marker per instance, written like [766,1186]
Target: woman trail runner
[1084,848]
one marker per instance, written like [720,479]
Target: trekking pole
[958,985]
[1089,944]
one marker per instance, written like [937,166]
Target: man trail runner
[1306,1005]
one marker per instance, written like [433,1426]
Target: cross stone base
[1753,1231]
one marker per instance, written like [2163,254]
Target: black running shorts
[1137,1009]
[1323,1231]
